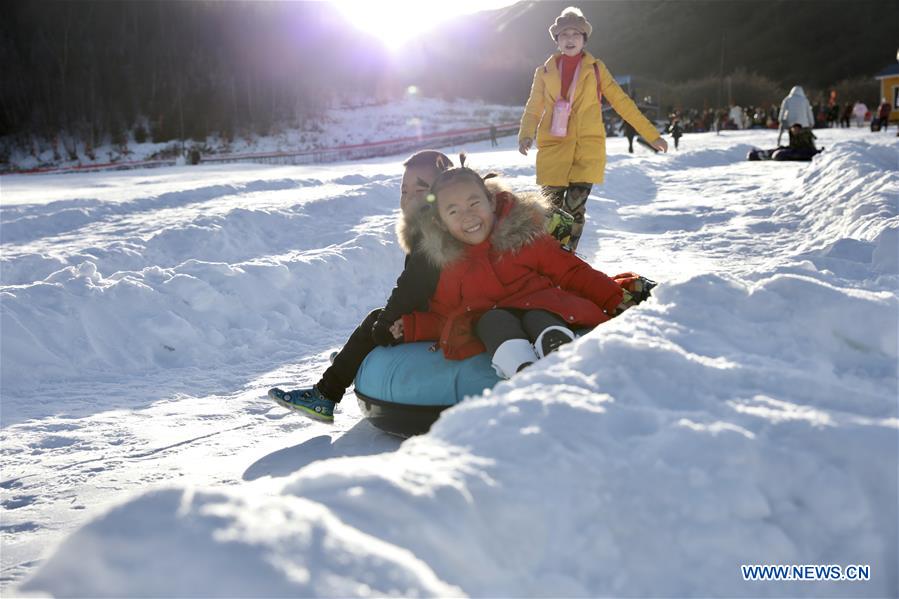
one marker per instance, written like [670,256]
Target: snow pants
[340,375]
[500,325]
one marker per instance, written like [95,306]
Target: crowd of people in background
[765,116]
[695,120]
[795,115]
[824,113]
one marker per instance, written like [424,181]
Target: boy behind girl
[414,288]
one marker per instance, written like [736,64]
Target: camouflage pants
[571,200]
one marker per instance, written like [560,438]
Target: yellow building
[889,89]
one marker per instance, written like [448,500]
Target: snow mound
[849,191]
[885,257]
[721,424]
[844,208]
[196,313]
[255,542]
[708,158]
[215,290]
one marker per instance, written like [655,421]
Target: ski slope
[746,415]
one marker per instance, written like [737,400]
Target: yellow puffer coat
[580,156]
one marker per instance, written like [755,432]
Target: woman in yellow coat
[569,164]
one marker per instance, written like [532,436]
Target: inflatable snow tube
[402,390]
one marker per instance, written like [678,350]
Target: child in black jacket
[414,287]
[676,130]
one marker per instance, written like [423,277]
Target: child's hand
[381,333]
[660,144]
[524,145]
[397,329]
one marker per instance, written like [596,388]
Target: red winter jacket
[518,266]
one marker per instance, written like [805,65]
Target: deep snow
[747,414]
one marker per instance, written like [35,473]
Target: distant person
[772,117]
[676,131]
[564,112]
[820,113]
[736,115]
[846,115]
[860,111]
[720,120]
[833,115]
[747,117]
[414,288]
[630,133]
[758,118]
[795,108]
[833,109]
[802,146]
[493,142]
[883,113]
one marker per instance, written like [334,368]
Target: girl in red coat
[505,286]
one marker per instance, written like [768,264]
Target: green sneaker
[308,402]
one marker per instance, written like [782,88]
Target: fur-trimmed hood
[518,267]
[521,219]
[408,228]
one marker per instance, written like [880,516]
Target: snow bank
[224,287]
[850,191]
[846,205]
[721,425]
[256,542]
[732,420]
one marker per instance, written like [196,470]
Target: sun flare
[395,22]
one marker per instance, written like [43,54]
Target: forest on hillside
[161,70]
[174,70]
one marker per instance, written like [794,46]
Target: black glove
[381,335]
[642,289]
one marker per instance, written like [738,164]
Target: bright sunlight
[395,22]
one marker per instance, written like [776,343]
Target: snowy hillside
[411,116]
[746,415]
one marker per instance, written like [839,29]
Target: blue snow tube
[402,389]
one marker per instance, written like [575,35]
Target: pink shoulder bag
[562,109]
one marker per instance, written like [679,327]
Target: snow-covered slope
[410,116]
[746,415]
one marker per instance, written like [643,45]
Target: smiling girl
[565,110]
[413,288]
[505,285]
